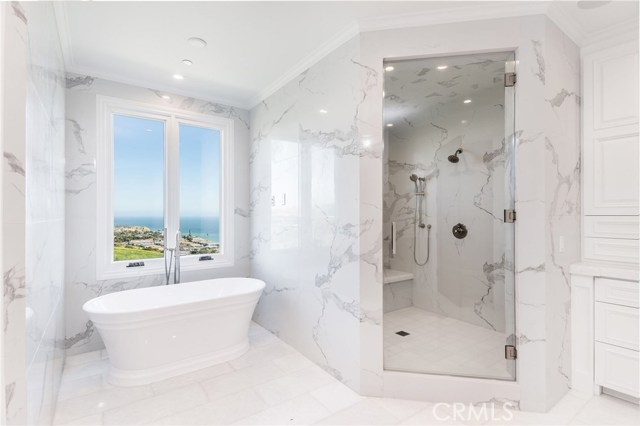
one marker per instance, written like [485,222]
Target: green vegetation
[140,242]
[134,253]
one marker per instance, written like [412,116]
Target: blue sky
[139,168]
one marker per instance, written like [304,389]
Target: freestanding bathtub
[159,332]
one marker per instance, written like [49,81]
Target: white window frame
[107,107]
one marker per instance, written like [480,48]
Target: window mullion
[172,186]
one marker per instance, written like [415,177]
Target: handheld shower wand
[420,183]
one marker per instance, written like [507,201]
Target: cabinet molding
[627,227]
[617,369]
[617,292]
[617,325]
[615,76]
[610,131]
[611,250]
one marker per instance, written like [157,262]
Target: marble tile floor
[441,345]
[273,384]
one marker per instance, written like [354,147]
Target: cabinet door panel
[615,79]
[617,368]
[610,131]
[615,172]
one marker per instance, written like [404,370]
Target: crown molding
[62,22]
[169,90]
[311,59]
[476,12]
[566,23]
[621,33]
[444,16]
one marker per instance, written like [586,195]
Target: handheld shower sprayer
[414,178]
[420,184]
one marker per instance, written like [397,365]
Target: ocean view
[207,228]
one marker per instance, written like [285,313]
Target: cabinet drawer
[618,369]
[627,227]
[617,325]
[626,293]
[611,250]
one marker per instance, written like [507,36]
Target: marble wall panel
[305,195]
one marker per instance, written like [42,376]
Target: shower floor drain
[402,333]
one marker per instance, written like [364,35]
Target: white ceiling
[255,47]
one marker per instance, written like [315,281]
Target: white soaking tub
[159,332]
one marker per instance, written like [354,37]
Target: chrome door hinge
[509,215]
[510,352]
[510,79]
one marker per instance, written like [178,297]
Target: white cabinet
[605,329]
[626,227]
[610,250]
[617,325]
[611,172]
[611,177]
[617,369]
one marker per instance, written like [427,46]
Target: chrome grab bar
[393,238]
[176,270]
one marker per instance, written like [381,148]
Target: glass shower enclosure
[449,183]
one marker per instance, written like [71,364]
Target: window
[162,173]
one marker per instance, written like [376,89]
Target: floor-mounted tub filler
[158,332]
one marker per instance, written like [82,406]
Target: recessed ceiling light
[166,97]
[464,121]
[389,68]
[197,42]
[442,67]
[178,76]
[187,62]
[467,101]
[389,124]
[323,111]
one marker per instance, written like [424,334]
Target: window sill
[119,273]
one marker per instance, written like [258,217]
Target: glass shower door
[449,185]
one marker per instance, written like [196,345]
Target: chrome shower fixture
[454,158]
[420,183]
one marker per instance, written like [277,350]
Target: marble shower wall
[45,210]
[34,216]
[562,196]
[81,198]
[305,203]
[463,279]
[14,210]
[547,163]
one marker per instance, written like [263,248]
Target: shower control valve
[459,231]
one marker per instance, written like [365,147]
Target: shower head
[454,158]
[414,178]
